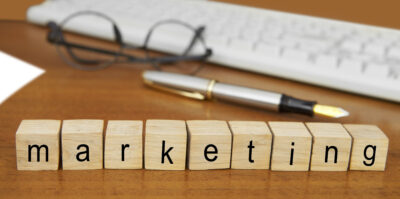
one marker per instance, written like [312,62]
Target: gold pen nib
[330,111]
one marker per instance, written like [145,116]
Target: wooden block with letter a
[165,145]
[251,146]
[331,147]
[38,145]
[82,144]
[291,148]
[370,147]
[210,144]
[123,145]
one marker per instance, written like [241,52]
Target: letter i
[291,154]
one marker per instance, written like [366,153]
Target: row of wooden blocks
[199,145]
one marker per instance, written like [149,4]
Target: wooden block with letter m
[38,145]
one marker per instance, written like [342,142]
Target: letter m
[38,148]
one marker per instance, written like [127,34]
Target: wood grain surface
[118,93]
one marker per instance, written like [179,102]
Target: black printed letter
[251,147]
[372,158]
[206,152]
[327,152]
[86,153]
[38,152]
[163,153]
[123,146]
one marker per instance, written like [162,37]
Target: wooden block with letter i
[165,145]
[123,145]
[331,147]
[370,147]
[251,147]
[38,145]
[82,144]
[210,144]
[291,148]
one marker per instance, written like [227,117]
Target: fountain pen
[206,89]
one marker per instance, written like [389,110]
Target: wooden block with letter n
[38,145]
[291,148]
[370,147]
[210,144]
[165,145]
[331,147]
[123,145]
[251,147]
[82,144]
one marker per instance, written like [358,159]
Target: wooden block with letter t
[251,146]
[165,145]
[291,148]
[82,144]
[123,145]
[370,147]
[38,145]
[331,147]
[210,144]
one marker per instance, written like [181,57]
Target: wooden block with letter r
[210,144]
[82,144]
[370,147]
[123,145]
[291,148]
[331,147]
[38,145]
[251,146]
[165,145]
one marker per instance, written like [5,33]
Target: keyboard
[345,56]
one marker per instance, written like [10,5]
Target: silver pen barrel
[246,96]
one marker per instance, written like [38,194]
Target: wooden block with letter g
[123,145]
[38,145]
[331,147]
[251,147]
[210,144]
[370,147]
[82,144]
[291,148]
[165,145]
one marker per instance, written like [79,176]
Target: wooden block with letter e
[165,145]
[370,147]
[82,144]
[251,146]
[123,145]
[291,148]
[38,145]
[210,144]
[331,147]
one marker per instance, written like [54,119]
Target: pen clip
[193,95]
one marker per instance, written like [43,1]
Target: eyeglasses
[88,54]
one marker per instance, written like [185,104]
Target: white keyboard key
[240,44]
[350,66]
[375,49]
[353,46]
[326,61]
[268,50]
[394,53]
[376,71]
[295,55]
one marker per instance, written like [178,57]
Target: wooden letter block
[210,144]
[291,148]
[331,147]
[165,145]
[123,145]
[82,144]
[38,145]
[370,147]
[251,147]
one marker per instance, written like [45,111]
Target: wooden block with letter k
[165,145]
[38,145]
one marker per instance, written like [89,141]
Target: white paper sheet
[14,74]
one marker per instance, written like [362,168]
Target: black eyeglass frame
[56,36]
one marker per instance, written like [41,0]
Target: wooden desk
[118,93]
